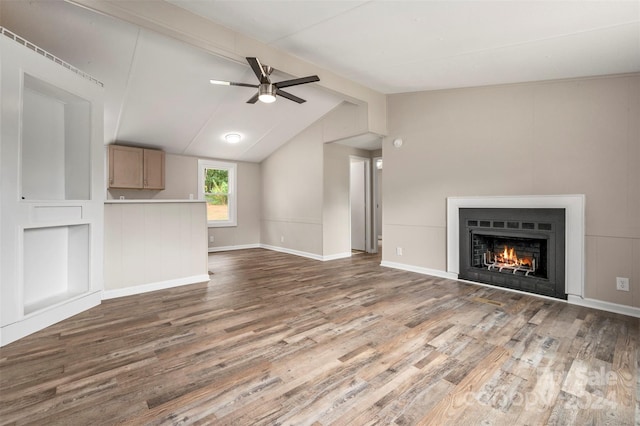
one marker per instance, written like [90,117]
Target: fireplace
[517,248]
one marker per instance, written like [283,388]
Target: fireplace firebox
[517,248]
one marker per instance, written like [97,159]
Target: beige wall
[292,182]
[154,245]
[560,137]
[292,194]
[181,180]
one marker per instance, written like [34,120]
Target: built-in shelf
[55,154]
[52,173]
[55,264]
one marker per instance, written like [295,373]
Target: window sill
[221,224]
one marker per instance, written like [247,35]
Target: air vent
[528,225]
[513,225]
[498,224]
[472,223]
[545,226]
[48,55]
[485,223]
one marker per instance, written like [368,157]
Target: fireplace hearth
[517,248]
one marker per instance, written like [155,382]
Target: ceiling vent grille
[49,56]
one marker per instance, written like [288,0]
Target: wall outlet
[398,251]
[622,283]
[210,238]
[282,238]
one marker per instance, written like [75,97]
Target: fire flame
[509,257]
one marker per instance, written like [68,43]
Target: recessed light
[232,137]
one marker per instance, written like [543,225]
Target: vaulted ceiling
[157,90]
[404,46]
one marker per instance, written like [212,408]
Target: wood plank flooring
[278,339]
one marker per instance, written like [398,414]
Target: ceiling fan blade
[255,86]
[256,66]
[296,81]
[231,83]
[253,99]
[290,96]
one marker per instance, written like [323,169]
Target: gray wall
[560,137]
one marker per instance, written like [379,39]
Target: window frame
[232,198]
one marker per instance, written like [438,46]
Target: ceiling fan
[267,90]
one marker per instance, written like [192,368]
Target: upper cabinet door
[153,169]
[125,167]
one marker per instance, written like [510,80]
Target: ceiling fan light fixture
[267,93]
[232,137]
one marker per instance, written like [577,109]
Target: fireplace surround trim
[574,206]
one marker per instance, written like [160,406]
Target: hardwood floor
[279,339]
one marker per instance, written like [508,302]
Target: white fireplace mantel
[574,229]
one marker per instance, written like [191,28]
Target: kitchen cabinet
[135,168]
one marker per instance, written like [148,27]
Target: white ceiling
[157,90]
[367,141]
[405,46]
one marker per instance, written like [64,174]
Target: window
[217,186]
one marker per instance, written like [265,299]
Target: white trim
[376,202]
[160,285]
[306,254]
[291,251]
[47,317]
[336,256]
[283,250]
[574,206]
[230,248]
[150,201]
[605,306]
[419,270]
[232,168]
[368,215]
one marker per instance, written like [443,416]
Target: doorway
[360,211]
[377,203]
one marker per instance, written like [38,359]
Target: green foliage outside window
[216,186]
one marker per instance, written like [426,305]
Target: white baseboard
[294,252]
[306,254]
[605,306]
[145,288]
[229,248]
[42,319]
[282,250]
[420,270]
[336,256]
[574,300]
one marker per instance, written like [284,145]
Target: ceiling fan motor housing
[267,92]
